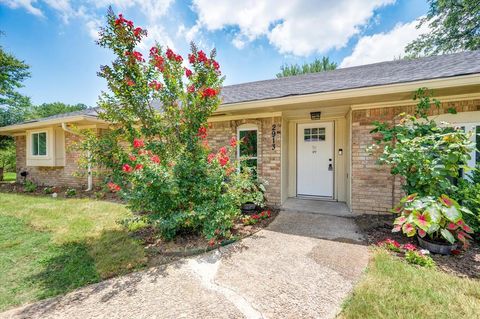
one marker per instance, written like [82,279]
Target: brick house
[308,133]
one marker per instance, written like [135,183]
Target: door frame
[331,198]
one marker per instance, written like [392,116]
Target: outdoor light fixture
[315,115]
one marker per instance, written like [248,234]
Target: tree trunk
[1,174]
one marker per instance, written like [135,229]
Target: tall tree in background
[316,66]
[13,105]
[49,109]
[454,26]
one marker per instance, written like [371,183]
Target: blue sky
[253,38]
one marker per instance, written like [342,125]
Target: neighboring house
[307,134]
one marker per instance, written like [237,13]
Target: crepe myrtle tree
[156,147]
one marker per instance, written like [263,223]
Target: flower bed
[378,228]
[161,251]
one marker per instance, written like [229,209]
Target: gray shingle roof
[93,111]
[369,75]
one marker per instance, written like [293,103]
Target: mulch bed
[377,228]
[161,251]
[96,193]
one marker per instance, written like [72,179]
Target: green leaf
[448,236]
[452,213]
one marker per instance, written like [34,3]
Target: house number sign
[274,133]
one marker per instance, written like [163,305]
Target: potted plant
[437,222]
[253,193]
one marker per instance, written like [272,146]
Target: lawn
[51,246]
[392,288]
[9,176]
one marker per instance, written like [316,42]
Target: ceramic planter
[436,247]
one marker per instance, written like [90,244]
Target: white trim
[441,98]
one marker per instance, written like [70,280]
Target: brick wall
[52,176]
[374,190]
[219,134]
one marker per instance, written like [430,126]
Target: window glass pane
[42,144]
[248,145]
[321,134]
[34,144]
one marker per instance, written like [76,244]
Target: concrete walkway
[285,271]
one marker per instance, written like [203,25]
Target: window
[247,148]
[314,134]
[39,144]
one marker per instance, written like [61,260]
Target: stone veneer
[374,190]
[219,134]
[52,176]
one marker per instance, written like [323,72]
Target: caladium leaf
[435,213]
[410,198]
[447,201]
[422,233]
[447,235]
[433,228]
[396,228]
[409,229]
[422,220]
[452,226]
[397,209]
[452,213]
[464,226]
[400,220]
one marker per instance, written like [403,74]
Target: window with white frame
[39,144]
[247,149]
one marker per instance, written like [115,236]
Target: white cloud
[152,9]
[156,33]
[299,27]
[383,46]
[26,4]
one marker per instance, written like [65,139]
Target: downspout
[89,163]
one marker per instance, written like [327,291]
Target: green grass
[9,176]
[51,246]
[392,288]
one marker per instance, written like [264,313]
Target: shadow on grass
[68,268]
[78,264]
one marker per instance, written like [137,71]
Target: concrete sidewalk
[277,273]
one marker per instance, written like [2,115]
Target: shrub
[440,218]
[70,192]
[469,196]
[29,186]
[48,190]
[427,156]
[157,149]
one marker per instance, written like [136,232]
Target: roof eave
[10,129]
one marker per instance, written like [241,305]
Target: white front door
[315,162]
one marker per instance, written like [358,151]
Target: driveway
[302,266]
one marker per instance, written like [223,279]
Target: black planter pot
[436,247]
[248,208]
